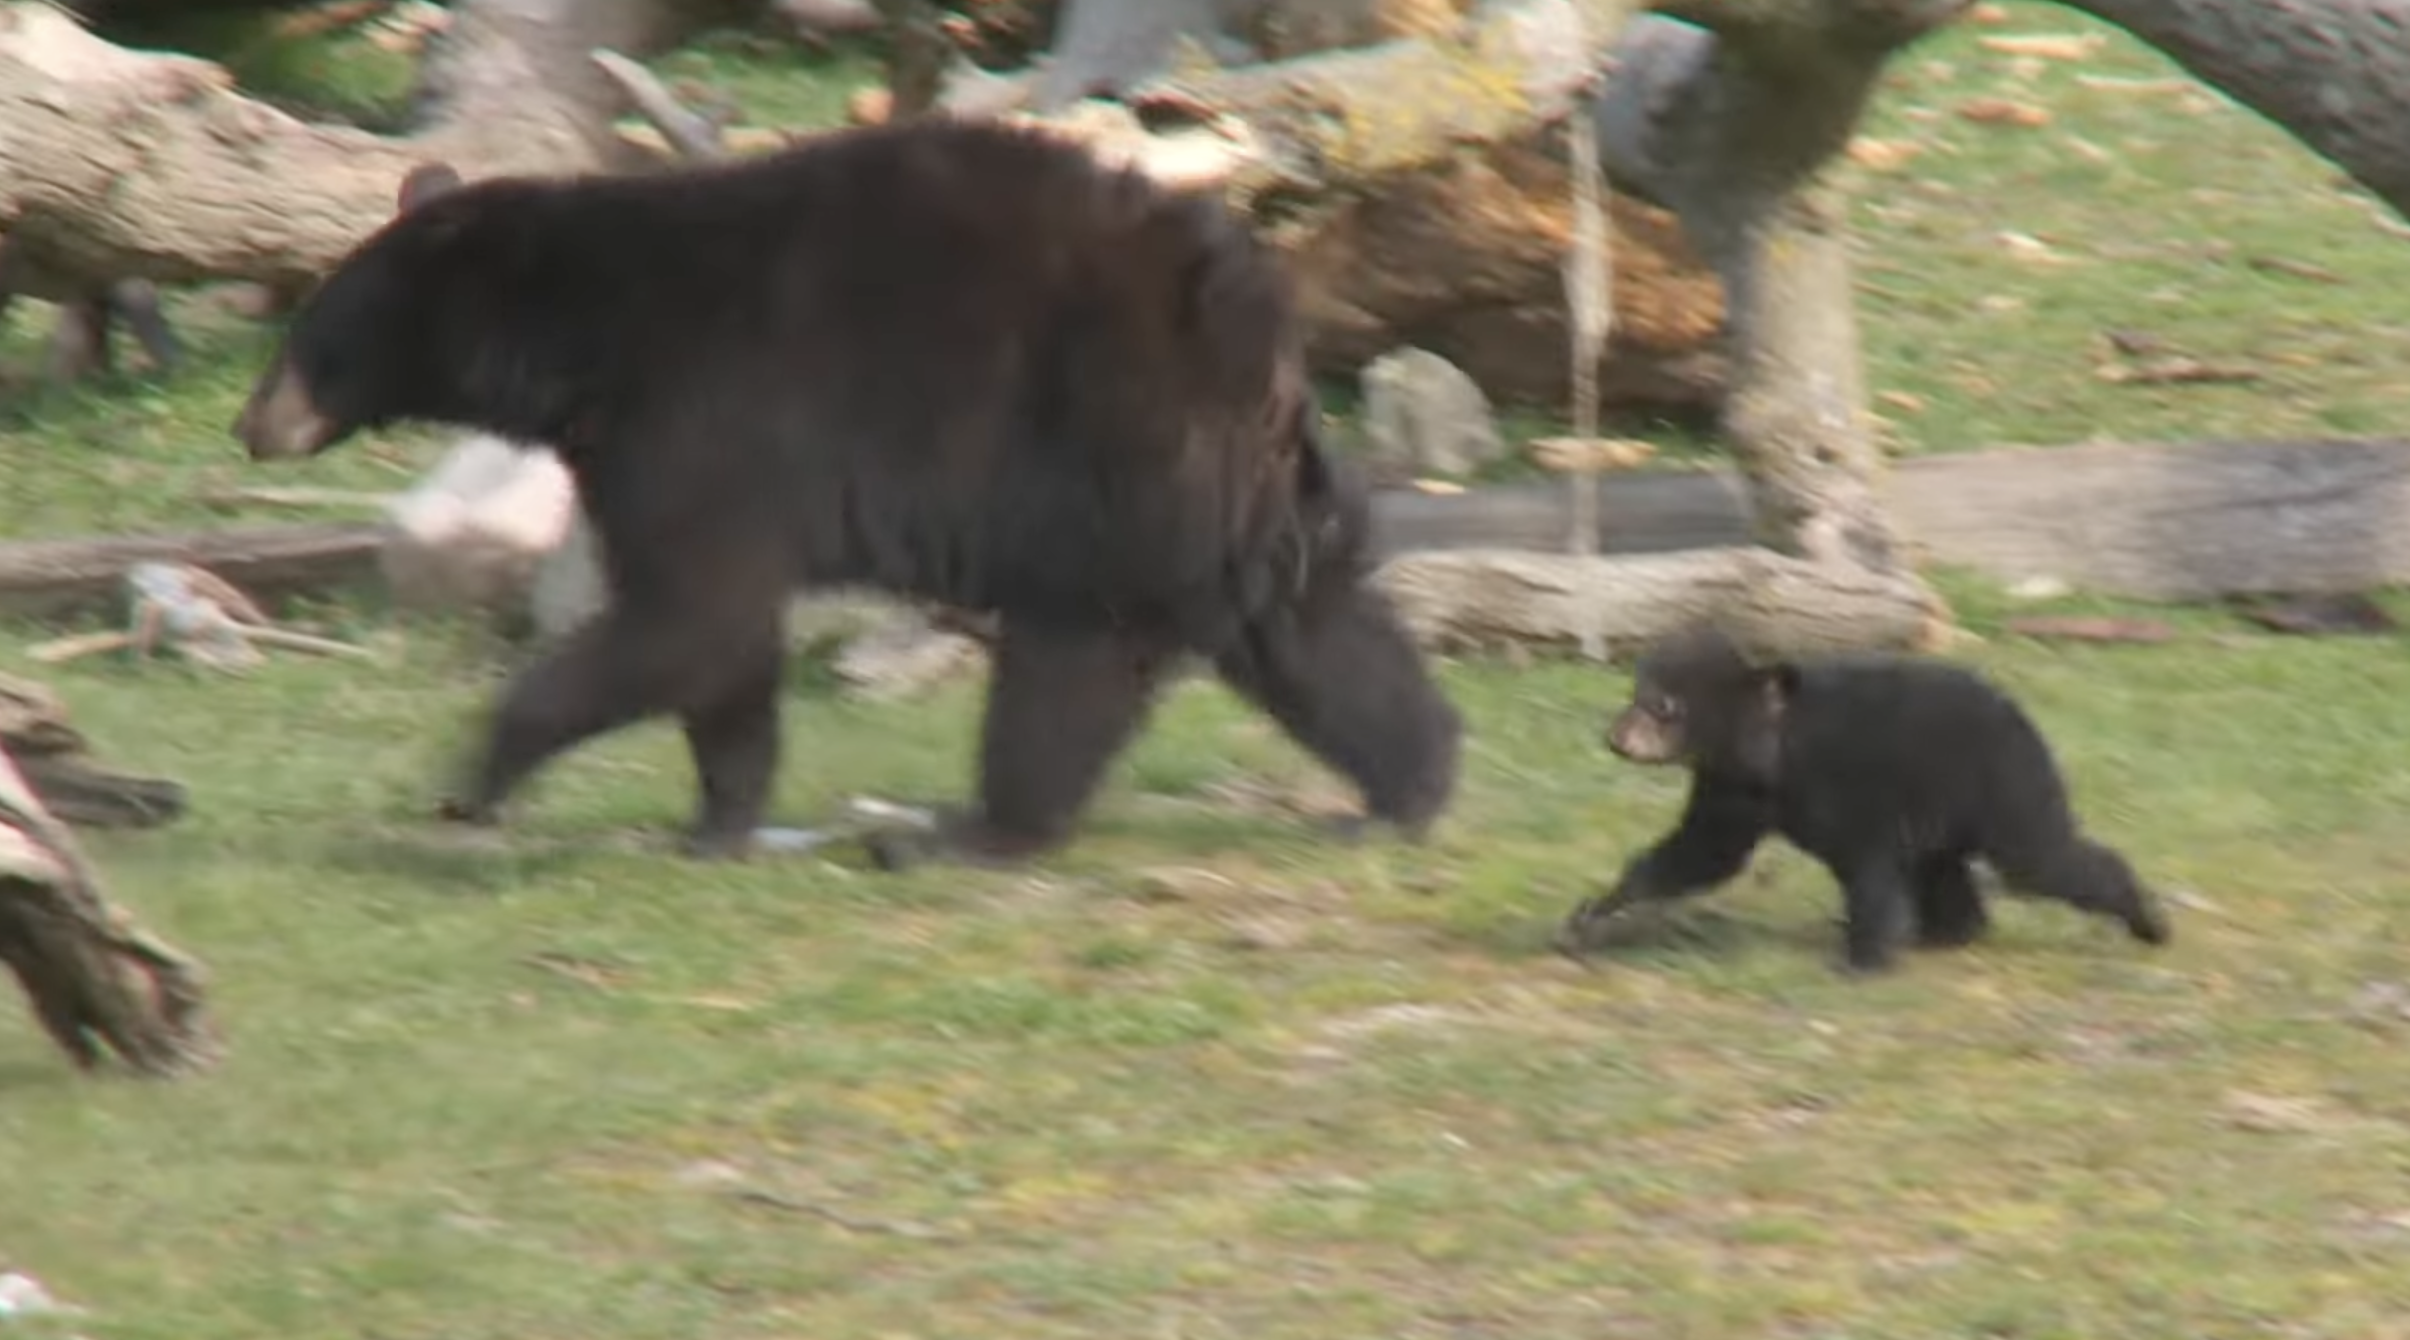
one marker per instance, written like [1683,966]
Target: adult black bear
[1893,772]
[961,361]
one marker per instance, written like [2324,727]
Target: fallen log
[1485,599]
[2155,521]
[2170,521]
[50,578]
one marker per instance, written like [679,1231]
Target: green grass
[1205,1075]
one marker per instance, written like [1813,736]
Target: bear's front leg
[604,675]
[717,665]
[1722,823]
[1342,676]
[1876,914]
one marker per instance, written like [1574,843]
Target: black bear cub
[1894,772]
[954,360]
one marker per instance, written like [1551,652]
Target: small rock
[1424,416]
[2270,1114]
[2382,1002]
[710,1173]
[22,1295]
[905,656]
[2040,588]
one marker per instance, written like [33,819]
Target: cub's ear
[427,181]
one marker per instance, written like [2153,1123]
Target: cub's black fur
[1894,772]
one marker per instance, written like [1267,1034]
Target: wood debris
[196,613]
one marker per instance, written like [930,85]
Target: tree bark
[2333,73]
[1729,123]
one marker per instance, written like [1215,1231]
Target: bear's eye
[1665,706]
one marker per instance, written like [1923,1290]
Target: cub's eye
[1665,707]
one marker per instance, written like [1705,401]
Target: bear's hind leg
[2082,873]
[1343,678]
[1949,908]
[1061,705]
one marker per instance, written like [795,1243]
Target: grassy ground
[1205,1076]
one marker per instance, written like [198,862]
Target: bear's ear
[427,181]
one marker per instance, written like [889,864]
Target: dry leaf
[584,971]
[2269,1114]
[1567,454]
[1902,400]
[2049,46]
[2175,370]
[1882,155]
[2134,343]
[2079,628]
[1440,487]
[2279,265]
[1988,14]
[2040,588]
[2088,151]
[2003,112]
[2027,247]
[2117,84]
[2380,1001]
[1179,884]
[869,106]
[731,1004]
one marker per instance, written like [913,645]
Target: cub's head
[1698,702]
[364,348]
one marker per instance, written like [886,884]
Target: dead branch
[97,981]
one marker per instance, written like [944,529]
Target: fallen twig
[899,1228]
[255,496]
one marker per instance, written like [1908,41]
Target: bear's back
[1877,742]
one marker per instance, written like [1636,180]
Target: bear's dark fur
[953,360]
[1894,772]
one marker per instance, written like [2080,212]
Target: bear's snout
[1637,737]
[280,421]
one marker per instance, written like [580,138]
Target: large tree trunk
[1729,123]
[2334,73]
[119,164]
[1104,48]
